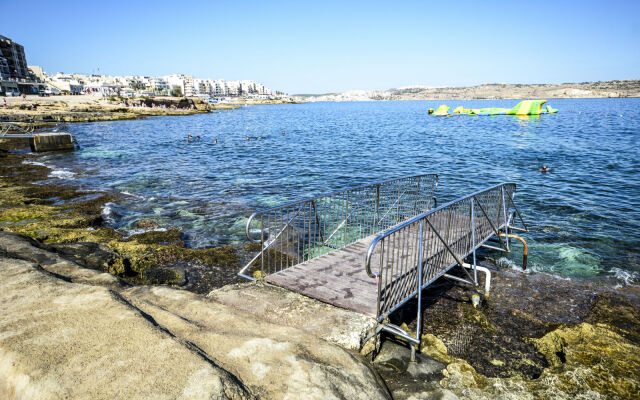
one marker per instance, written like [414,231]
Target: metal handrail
[301,230]
[455,230]
[418,218]
[415,253]
[5,127]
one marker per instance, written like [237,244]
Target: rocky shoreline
[74,289]
[69,220]
[91,109]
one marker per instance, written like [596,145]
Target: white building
[65,83]
[159,85]
[175,81]
[162,86]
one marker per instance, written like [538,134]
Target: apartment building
[13,63]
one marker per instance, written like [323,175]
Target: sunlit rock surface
[71,332]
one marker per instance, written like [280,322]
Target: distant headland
[605,89]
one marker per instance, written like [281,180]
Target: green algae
[525,342]
[252,247]
[68,214]
[170,236]
[586,361]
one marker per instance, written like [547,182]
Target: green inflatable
[442,111]
[525,107]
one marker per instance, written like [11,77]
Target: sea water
[583,215]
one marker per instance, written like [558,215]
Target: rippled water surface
[583,215]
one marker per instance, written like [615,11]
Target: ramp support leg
[419,316]
[487,276]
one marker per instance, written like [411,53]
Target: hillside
[628,88]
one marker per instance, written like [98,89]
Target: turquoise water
[583,215]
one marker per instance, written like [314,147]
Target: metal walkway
[6,127]
[373,248]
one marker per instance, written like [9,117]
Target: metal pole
[419,317]
[263,248]
[504,211]
[315,211]
[375,218]
[346,222]
[473,239]
[415,203]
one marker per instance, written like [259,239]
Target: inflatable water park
[525,107]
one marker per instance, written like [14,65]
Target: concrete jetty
[51,141]
[48,141]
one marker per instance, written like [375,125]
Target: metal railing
[6,127]
[303,230]
[409,257]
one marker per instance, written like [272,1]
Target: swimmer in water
[544,168]
[198,137]
[190,136]
[248,138]
[215,141]
[284,132]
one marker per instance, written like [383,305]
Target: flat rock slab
[283,307]
[66,340]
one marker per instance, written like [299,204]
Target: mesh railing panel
[447,236]
[303,230]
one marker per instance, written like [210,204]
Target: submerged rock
[146,224]
[69,220]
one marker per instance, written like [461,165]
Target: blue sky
[330,46]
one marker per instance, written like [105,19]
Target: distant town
[18,78]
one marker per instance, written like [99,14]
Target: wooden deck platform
[337,278]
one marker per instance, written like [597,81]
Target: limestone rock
[66,340]
[24,248]
[273,361]
[71,332]
[146,224]
[283,307]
